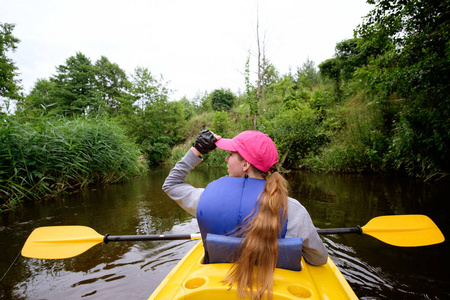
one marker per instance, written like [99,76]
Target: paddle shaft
[357,230]
[156,237]
[161,237]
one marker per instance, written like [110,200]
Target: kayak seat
[221,249]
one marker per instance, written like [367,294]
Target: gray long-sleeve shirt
[299,221]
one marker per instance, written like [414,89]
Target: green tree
[331,69]
[112,85]
[81,87]
[75,89]
[307,75]
[146,90]
[10,88]
[165,127]
[40,100]
[222,99]
[351,56]
[348,57]
[190,107]
[156,124]
[202,102]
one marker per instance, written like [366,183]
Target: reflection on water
[355,270]
[134,269]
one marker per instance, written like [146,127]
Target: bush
[222,100]
[221,123]
[296,133]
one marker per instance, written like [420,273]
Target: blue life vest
[224,205]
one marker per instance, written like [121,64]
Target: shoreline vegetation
[47,157]
[381,105]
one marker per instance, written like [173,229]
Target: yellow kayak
[191,279]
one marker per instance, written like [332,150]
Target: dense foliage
[408,76]
[381,104]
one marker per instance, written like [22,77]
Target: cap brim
[225,144]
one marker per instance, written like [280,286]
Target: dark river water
[132,270]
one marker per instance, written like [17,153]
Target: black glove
[205,142]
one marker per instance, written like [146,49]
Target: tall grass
[43,157]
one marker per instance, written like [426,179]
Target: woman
[251,203]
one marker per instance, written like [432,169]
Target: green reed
[43,157]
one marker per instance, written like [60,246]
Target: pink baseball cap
[255,147]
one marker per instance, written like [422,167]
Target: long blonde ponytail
[260,245]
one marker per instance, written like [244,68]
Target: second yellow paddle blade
[57,242]
[404,230]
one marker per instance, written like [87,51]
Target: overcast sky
[196,46]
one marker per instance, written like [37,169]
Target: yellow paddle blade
[404,230]
[57,242]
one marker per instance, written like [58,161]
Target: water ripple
[361,274]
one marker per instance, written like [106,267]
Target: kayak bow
[191,279]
